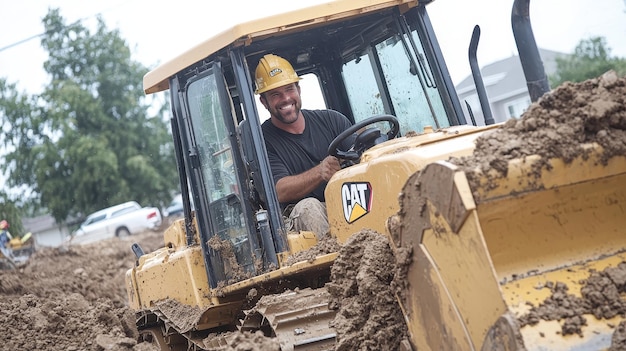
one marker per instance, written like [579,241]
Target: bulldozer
[485,244]
[18,251]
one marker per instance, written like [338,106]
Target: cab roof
[245,33]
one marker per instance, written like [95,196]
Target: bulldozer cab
[369,58]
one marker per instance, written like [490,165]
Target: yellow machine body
[499,243]
[183,267]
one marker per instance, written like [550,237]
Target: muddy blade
[299,320]
[488,245]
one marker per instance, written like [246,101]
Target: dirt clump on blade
[368,315]
[600,298]
[558,125]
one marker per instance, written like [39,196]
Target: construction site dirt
[74,298]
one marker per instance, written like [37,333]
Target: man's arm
[296,187]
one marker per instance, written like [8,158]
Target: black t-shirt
[292,154]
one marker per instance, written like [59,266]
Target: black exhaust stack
[478,79]
[536,78]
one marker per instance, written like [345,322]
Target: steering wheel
[365,140]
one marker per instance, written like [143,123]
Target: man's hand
[296,187]
[329,166]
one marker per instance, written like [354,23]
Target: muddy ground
[75,299]
[72,298]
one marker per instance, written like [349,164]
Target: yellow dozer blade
[525,260]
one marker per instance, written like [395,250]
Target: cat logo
[356,200]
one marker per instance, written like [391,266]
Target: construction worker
[5,238]
[297,143]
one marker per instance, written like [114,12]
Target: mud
[75,299]
[556,126]
[233,269]
[184,316]
[72,299]
[599,298]
[253,342]
[325,245]
[368,315]
[618,341]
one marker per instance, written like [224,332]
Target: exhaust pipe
[478,79]
[536,78]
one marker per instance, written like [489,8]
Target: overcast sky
[159,30]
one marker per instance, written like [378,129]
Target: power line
[76,22]
[21,42]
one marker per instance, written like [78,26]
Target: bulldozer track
[161,332]
[300,320]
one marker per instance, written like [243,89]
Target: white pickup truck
[117,221]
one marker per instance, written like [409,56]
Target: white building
[46,232]
[506,88]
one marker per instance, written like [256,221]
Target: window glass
[123,211]
[365,99]
[413,96]
[215,153]
[95,219]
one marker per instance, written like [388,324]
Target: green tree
[591,59]
[88,141]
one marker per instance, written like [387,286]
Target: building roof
[507,75]
[46,222]
[39,224]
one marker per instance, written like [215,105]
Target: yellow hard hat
[273,72]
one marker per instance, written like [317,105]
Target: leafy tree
[591,59]
[88,141]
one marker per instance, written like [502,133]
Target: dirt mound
[326,244]
[368,316]
[72,298]
[557,126]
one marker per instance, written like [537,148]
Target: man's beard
[277,113]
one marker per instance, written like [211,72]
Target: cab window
[385,80]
